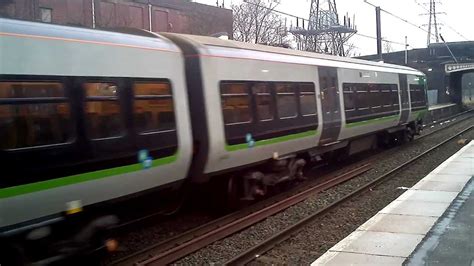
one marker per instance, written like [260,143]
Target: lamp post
[93,13]
[406,50]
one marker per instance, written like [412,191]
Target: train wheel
[233,193]
[409,134]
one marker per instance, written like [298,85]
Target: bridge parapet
[451,68]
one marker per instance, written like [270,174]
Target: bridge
[461,82]
[460,67]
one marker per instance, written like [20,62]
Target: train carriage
[261,105]
[86,117]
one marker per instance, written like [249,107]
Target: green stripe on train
[373,121]
[272,141]
[79,178]
[420,113]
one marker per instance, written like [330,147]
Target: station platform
[440,106]
[440,111]
[432,223]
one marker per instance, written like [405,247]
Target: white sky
[459,15]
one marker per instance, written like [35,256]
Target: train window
[374,98]
[363,102]
[263,100]
[153,107]
[235,103]
[386,95]
[33,113]
[307,99]
[349,97]
[102,110]
[417,95]
[286,100]
[395,99]
[369,100]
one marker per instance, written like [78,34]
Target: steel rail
[191,241]
[176,240]
[266,245]
[448,118]
[454,122]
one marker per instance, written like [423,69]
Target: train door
[331,112]
[404,100]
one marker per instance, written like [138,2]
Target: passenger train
[88,117]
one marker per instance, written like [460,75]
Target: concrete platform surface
[441,106]
[432,223]
[451,240]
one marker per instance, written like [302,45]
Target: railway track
[266,245]
[184,244]
[195,239]
[454,118]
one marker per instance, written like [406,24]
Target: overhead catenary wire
[375,38]
[399,18]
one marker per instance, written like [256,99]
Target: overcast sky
[459,16]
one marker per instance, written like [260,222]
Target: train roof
[125,37]
[216,42]
[149,40]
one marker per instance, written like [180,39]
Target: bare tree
[255,22]
[387,46]
[350,49]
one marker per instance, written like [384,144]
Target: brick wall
[166,15]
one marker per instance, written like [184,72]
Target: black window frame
[81,154]
[152,97]
[370,101]
[44,100]
[295,93]
[256,95]
[248,95]
[236,133]
[119,99]
[46,161]
[304,93]
[160,143]
[418,97]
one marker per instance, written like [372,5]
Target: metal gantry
[324,33]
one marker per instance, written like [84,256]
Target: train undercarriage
[250,185]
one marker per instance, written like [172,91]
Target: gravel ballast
[320,236]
